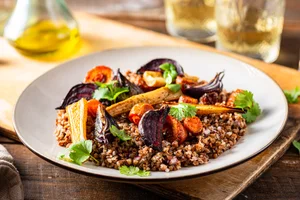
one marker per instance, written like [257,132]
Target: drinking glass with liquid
[191,19]
[250,28]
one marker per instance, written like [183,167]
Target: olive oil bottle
[43,29]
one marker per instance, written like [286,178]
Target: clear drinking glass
[191,19]
[251,28]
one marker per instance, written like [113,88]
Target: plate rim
[127,179]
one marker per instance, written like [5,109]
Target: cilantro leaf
[297,145]
[102,93]
[245,101]
[78,152]
[252,113]
[131,171]
[109,91]
[119,133]
[174,87]
[292,95]
[170,72]
[183,110]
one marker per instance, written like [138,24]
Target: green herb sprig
[245,101]
[132,171]
[292,95]
[79,152]
[174,87]
[297,145]
[183,110]
[109,91]
[170,72]
[119,133]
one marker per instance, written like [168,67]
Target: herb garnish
[78,152]
[119,133]
[170,72]
[245,101]
[109,91]
[292,95]
[183,110]
[174,87]
[297,145]
[131,171]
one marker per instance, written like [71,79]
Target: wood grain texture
[26,70]
[227,184]
[42,180]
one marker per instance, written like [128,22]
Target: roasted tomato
[193,125]
[176,130]
[101,74]
[92,106]
[137,111]
[231,99]
[187,99]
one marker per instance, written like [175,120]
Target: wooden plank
[43,180]
[281,181]
[115,35]
[227,184]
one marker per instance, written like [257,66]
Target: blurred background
[150,14]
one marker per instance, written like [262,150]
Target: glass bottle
[38,27]
[6,7]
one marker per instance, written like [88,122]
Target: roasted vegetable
[77,113]
[124,82]
[187,80]
[176,130]
[92,106]
[210,98]
[193,125]
[138,110]
[151,127]
[154,79]
[187,99]
[154,97]
[77,92]
[103,124]
[197,91]
[101,74]
[153,65]
[232,97]
[211,109]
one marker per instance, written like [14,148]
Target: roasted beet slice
[151,127]
[77,92]
[197,91]
[124,82]
[102,124]
[153,65]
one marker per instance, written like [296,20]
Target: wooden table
[281,181]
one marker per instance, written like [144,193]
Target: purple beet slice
[153,65]
[77,92]
[151,127]
[197,91]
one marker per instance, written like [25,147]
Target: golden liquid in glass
[254,35]
[45,37]
[186,15]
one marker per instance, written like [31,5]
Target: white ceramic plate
[34,116]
